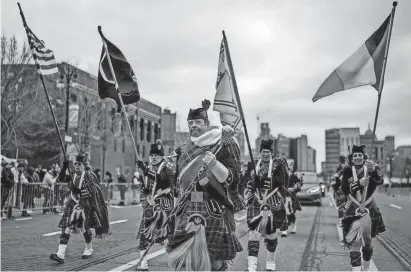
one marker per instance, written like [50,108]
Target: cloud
[281,51]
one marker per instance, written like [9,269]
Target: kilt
[92,220]
[222,243]
[349,217]
[279,213]
[166,205]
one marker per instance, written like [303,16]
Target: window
[122,125]
[156,134]
[142,129]
[170,150]
[124,145]
[131,122]
[115,145]
[144,151]
[149,132]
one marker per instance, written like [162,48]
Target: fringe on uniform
[192,254]
[77,220]
[157,226]
[360,230]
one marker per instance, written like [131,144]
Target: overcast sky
[281,51]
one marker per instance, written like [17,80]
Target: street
[27,244]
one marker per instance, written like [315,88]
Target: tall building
[265,133]
[299,152]
[311,152]
[338,141]
[242,143]
[403,153]
[282,146]
[168,130]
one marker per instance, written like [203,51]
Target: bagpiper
[204,238]
[158,201]
[265,198]
[85,209]
[292,205]
[339,196]
[362,219]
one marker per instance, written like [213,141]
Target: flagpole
[380,87]
[47,94]
[237,95]
[117,88]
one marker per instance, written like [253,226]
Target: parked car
[311,189]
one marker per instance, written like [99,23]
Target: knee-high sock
[88,236]
[64,238]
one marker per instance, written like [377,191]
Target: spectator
[123,187]
[28,192]
[58,198]
[135,186]
[22,185]
[49,181]
[97,173]
[108,192]
[7,183]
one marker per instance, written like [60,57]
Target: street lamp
[69,74]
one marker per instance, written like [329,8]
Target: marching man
[204,238]
[292,205]
[362,219]
[84,210]
[158,201]
[265,198]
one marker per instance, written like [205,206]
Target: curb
[405,263]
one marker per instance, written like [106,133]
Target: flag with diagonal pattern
[225,101]
[43,56]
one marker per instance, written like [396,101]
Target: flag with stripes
[225,101]
[363,67]
[43,56]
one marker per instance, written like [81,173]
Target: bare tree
[19,89]
[91,115]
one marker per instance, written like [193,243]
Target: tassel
[264,222]
[192,254]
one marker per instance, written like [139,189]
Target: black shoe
[139,269]
[56,258]
[25,214]
[86,256]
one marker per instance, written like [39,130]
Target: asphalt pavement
[27,244]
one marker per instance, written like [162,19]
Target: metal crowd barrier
[27,199]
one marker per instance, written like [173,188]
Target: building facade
[168,131]
[265,133]
[299,152]
[282,146]
[312,166]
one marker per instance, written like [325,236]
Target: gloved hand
[370,165]
[76,190]
[84,194]
[210,160]
[141,165]
[257,182]
[354,186]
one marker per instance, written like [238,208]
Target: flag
[225,101]
[43,57]
[364,67]
[126,79]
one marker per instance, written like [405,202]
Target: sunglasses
[77,163]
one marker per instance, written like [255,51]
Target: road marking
[58,232]
[118,221]
[373,267]
[52,233]
[25,218]
[395,206]
[133,263]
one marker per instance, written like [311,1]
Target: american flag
[43,56]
